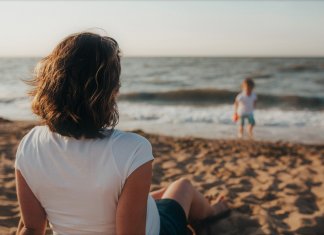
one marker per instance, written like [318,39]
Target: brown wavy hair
[75,87]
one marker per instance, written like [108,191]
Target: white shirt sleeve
[142,155]
[130,152]
[20,154]
[24,161]
[18,157]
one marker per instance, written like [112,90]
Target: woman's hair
[248,82]
[74,88]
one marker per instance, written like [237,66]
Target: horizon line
[191,56]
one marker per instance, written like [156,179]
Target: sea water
[194,96]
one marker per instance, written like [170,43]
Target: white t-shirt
[245,103]
[78,182]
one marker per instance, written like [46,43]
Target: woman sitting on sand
[76,170]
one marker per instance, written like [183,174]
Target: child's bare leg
[240,131]
[193,202]
[250,130]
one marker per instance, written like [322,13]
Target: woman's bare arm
[132,203]
[33,216]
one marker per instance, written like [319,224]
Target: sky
[168,28]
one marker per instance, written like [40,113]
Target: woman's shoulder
[31,134]
[129,138]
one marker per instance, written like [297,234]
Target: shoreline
[272,187]
[296,135]
[273,134]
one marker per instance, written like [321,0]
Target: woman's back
[78,181]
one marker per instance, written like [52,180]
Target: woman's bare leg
[195,205]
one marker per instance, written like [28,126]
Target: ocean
[194,96]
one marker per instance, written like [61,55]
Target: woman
[76,170]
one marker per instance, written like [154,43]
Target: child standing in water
[244,106]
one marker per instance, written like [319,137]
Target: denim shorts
[249,117]
[173,220]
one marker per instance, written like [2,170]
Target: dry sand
[272,188]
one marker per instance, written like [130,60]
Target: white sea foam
[218,115]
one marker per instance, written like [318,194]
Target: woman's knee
[181,191]
[183,184]
[183,180]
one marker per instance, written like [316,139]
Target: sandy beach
[272,187]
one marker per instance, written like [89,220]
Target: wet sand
[272,187]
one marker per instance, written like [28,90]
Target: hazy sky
[169,28]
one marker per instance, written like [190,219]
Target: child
[244,106]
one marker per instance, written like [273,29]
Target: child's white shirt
[245,103]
